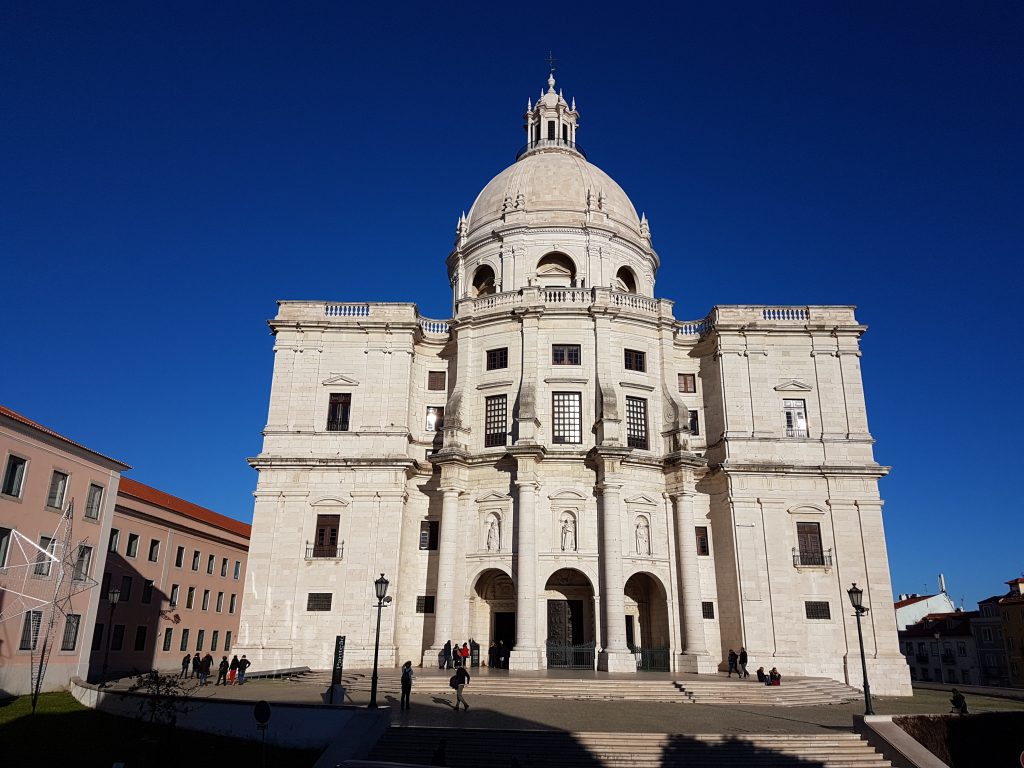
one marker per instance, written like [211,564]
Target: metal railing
[812,558]
[324,551]
[651,659]
[337,425]
[542,143]
[571,656]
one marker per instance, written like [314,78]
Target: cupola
[551,122]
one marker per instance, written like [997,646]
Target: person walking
[222,671]
[743,663]
[243,664]
[407,676]
[207,668]
[733,659]
[233,669]
[197,663]
[186,663]
[461,681]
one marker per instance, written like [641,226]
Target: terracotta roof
[15,416]
[138,490]
[912,600]
[1016,581]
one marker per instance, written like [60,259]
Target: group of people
[738,664]
[458,681]
[455,656]
[497,655]
[228,672]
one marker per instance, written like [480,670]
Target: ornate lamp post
[380,587]
[113,595]
[857,601]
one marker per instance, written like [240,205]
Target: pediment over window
[641,499]
[340,380]
[329,501]
[567,495]
[492,497]
[793,385]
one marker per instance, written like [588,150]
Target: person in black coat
[222,671]
[185,664]
[733,659]
[461,681]
[743,663]
[446,660]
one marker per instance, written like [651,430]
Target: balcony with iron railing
[325,551]
[812,559]
[550,144]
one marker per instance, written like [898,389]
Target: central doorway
[570,621]
[494,616]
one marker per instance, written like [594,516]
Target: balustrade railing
[347,310]
[542,143]
[434,326]
[812,558]
[567,296]
[785,313]
[634,301]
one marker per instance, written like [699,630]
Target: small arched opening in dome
[483,281]
[556,270]
[625,280]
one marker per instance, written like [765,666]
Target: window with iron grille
[687,382]
[703,546]
[567,417]
[495,421]
[694,424]
[817,609]
[565,354]
[635,360]
[93,502]
[425,604]
[636,422]
[497,358]
[30,631]
[338,410]
[808,536]
[168,636]
[437,381]
[70,639]
[795,412]
[319,601]
[429,530]
[435,418]
[708,609]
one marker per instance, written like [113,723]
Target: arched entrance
[494,616]
[647,628]
[571,639]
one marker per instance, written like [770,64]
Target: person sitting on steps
[774,678]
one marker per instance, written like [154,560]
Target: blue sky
[169,170]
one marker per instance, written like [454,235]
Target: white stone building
[563,465]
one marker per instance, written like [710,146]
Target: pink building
[180,572]
[43,473]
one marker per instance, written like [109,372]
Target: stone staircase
[795,692]
[485,748]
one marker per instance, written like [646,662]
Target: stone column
[615,657]
[695,657]
[444,605]
[526,654]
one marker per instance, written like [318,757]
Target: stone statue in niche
[643,538]
[568,534]
[493,537]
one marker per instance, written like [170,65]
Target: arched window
[556,270]
[625,281]
[483,281]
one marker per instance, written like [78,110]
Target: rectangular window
[636,422]
[105,587]
[94,502]
[58,487]
[184,640]
[211,563]
[429,530]
[231,603]
[147,591]
[115,539]
[708,609]
[168,637]
[14,476]
[126,589]
[687,382]
[117,638]
[318,601]
[200,638]
[808,536]
[436,381]
[154,550]
[238,569]
[565,354]
[635,360]
[213,640]
[206,599]
[497,358]
[97,637]
[179,557]
[42,561]
[83,563]
[795,412]
[30,631]
[224,568]
[227,641]
[694,424]
[195,559]
[435,418]
[425,604]
[190,598]
[326,542]
[817,609]
[140,637]
[566,417]
[5,545]
[703,545]
[495,421]
[338,410]
[174,596]
[133,545]
[220,602]
[961,649]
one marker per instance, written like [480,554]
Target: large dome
[552,187]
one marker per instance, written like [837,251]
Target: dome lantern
[551,123]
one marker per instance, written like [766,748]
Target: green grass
[64,731]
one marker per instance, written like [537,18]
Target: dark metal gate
[579,656]
[651,659]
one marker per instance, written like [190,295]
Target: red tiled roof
[911,601]
[138,490]
[15,416]
[1016,581]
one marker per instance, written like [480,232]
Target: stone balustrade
[562,298]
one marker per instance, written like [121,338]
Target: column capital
[526,484]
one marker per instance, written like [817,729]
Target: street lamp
[113,596]
[380,587]
[857,601]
